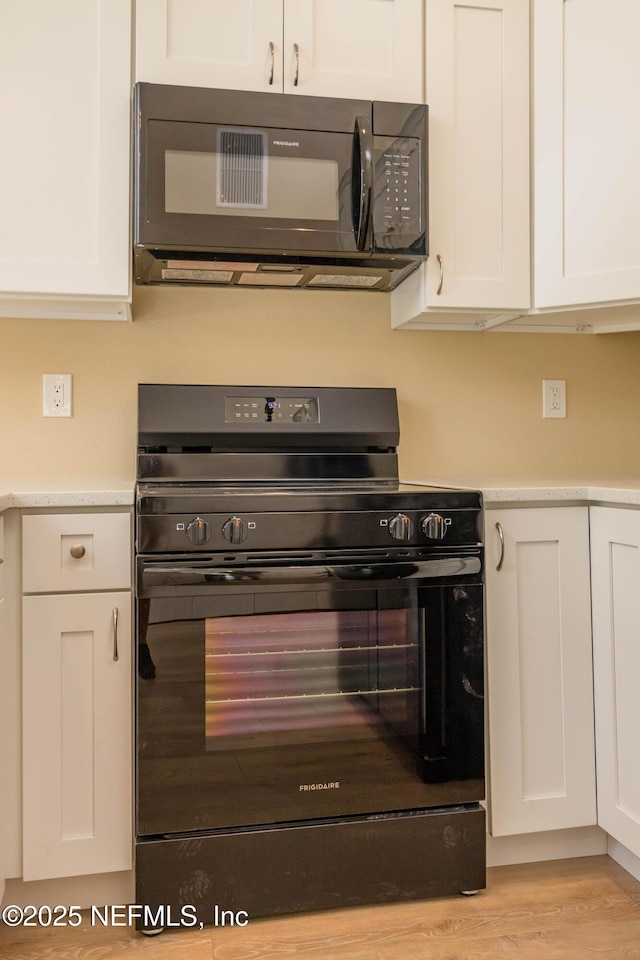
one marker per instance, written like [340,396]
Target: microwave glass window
[282,187]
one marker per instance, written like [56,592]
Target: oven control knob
[234,530]
[198,531]
[434,527]
[401,527]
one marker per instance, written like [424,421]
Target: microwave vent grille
[242,169]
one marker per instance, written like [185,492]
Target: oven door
[294,691]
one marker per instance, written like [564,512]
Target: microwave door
[225,187]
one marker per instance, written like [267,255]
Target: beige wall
[470,404]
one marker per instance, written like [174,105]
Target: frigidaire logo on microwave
[332,785]
[286,143]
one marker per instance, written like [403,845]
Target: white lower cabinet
[77,701]
[76,735]
[1,578]
[3,867]
[615,546]
[539,669]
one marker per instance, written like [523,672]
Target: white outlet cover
[554,399]
[56,395]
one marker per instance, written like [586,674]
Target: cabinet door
[210,43]
[477,88]
[478,95]
[586,151]
[77,756]
[3,866]
[540,694]
[364,49]
[10,702]
[64,167]
[615,566]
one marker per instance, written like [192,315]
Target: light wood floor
[580,909]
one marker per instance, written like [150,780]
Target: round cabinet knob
[234,530]
[198,531]
[401,527]
[77,551]
[434,527]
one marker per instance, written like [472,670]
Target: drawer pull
[77,551]
[114,614]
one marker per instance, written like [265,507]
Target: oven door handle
[155,575]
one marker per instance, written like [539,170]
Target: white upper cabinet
[477,89]
[210,43]
[65,92]
[586,152]
[364,49]
[581,184]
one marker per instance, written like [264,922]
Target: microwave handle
[362,179]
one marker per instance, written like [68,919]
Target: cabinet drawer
[73,552]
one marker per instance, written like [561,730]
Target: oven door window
[260,705]
[289,677]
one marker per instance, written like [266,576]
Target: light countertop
[81,492]
[497,491]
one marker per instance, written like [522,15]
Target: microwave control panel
[397,219]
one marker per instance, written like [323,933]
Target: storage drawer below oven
[316,866]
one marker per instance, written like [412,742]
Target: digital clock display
[271,410]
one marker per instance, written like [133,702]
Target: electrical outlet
[554,398]
[56,395]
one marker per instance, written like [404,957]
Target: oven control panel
[198,531]
[283,530]
[433,526]
[271,410]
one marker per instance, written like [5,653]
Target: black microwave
[277,190]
